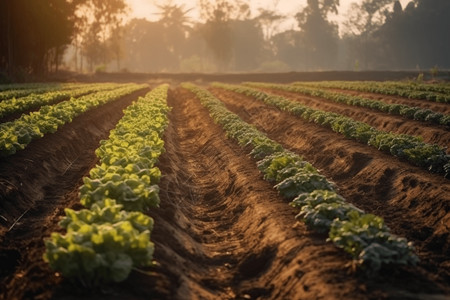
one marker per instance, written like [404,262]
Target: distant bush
[100,69]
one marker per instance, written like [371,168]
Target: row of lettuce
[407,111]
[364,236]
[422,91]
[15,90]
[109,238]
[31,101]
[17,134]
[429,156]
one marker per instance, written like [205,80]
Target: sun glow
[149,9]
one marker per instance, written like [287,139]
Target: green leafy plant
[321,208]
[301,183]
[319,90]
[33,100]
[416,90]
[106,241]
[97,253]
[431,157]
[47,120]
[321,216]
[276,166]
[368,240]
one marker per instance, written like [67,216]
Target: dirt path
[431,133]
[36,184]
[413,202]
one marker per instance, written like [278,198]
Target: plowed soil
[222,232]
[431,133]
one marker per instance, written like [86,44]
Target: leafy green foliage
[134,193]
[368,240]
[321,216]
[16,135]
[16,105]
[317,197]
[430,157]
[10,91]
[281,165]
[106,241]
[127,173]
[317,90]
[414,90]
[245,134]
[106,211]
[302,182]
[99,252]
[321,208]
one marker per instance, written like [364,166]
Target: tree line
[37,37]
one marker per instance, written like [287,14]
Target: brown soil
[222,232]
[431,133]
[413,202]
[36,184]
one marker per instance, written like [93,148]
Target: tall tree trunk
[76,54]
[57,54]
[81,63]
[9,40]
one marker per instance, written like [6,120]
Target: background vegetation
[38,37]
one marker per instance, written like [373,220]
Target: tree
[417,36]
[367,16]
[115,44]
[269,21]
[319,36]
[364,20]
[248,44]
[25,43]
[175,20]
[144,51]
[217,31]
[288,50]
[103,20]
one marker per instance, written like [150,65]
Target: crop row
[111,236]
[27,86]
[364,236]
[8,91]
[17,134]
[431,92]
[431,157]
[410,112]
[16,105]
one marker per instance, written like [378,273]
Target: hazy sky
[147,8]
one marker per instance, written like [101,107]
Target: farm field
[221,230]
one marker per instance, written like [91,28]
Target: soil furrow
[233,235]
[225,224]
[431,133]
[414,203]
[222,232]
[36,184]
